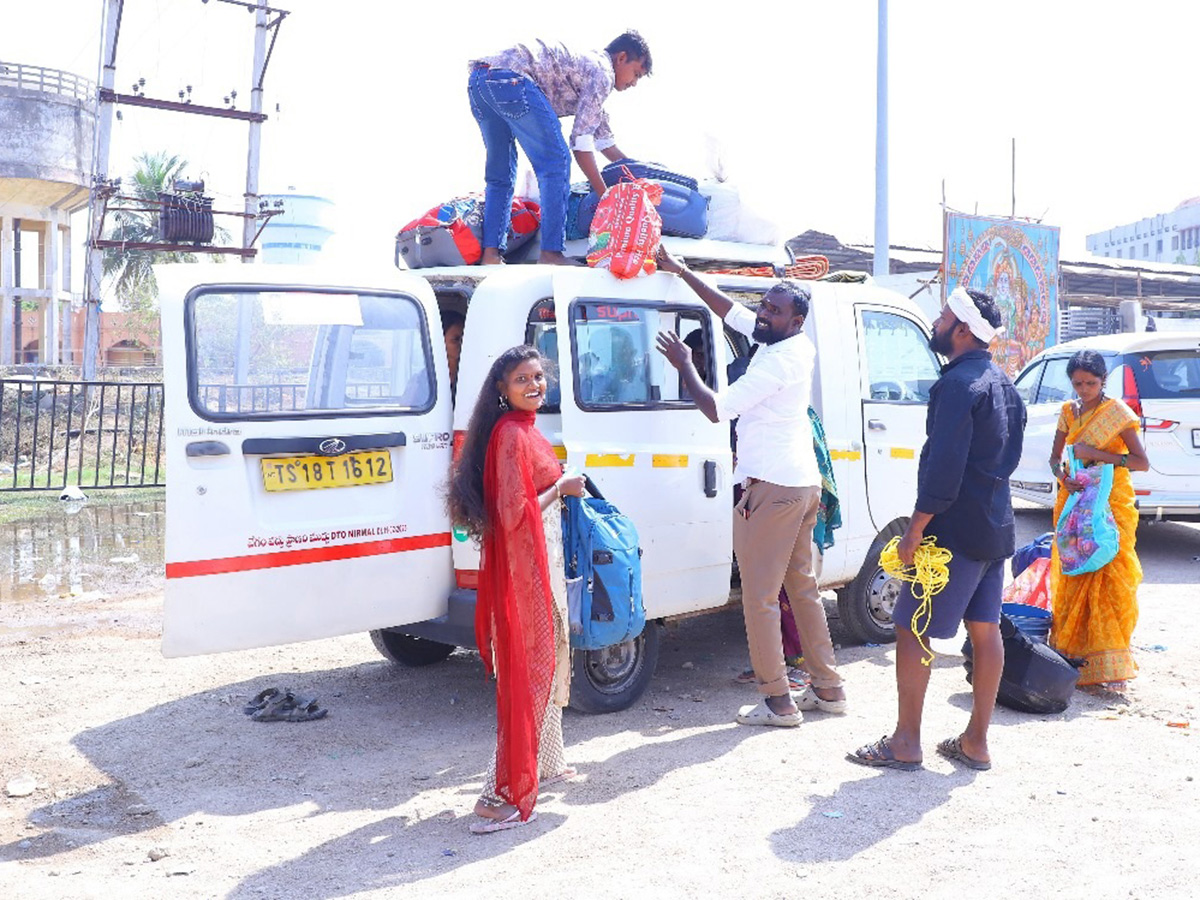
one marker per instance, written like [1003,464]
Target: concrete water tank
[47,132]
[298,234]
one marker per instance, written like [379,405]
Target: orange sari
[1095,613]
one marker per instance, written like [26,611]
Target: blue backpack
[604,573]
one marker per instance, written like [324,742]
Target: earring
[504,403]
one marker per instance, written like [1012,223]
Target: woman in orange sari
[504,489]
[1095,613]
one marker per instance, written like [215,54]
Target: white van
[310,427]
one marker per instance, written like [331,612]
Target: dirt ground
[149,781]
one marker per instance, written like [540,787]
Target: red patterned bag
[626,229]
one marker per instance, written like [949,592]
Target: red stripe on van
[305,556]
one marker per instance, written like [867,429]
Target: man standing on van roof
[773,525]
[974,428]
[518,96]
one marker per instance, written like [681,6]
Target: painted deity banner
[1017,264]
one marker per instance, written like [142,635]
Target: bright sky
[1099,95]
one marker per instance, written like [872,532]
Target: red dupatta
[514,624]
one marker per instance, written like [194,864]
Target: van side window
[541,332]
[616,363]
[288,354]
[900,365]
[1027,382]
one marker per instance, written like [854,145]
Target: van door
[308,425]
[628,423]
[897,370]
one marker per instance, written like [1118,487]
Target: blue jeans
[511,109]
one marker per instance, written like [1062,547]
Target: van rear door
[627,422]
[308,427]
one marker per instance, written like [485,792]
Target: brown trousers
[772,537]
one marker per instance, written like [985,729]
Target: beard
[763,334]
[940,343]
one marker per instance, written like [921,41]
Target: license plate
[307,473]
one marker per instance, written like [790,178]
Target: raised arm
[717,302]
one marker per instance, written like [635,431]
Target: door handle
[207,448]
[876,425]
[710,478]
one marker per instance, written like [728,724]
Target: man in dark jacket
[974,429]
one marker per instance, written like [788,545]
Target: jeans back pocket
[507,94]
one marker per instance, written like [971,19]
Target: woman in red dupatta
[1095,613]
[505,489]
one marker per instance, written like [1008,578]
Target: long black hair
[464,498]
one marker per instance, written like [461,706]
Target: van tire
[612,679]
[865,605]
[407,650]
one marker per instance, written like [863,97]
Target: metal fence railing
[47,81]
[93,434]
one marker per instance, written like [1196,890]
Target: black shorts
[972,595]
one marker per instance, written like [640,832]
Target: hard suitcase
[423,246]
[581,207]
[614,172]
[684,212]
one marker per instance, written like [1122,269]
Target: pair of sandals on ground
[275,705]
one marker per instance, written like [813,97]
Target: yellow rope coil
[929,574]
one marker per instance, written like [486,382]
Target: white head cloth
[966,311]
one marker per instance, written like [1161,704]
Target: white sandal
[762,715]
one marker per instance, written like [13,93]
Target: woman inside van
[504,489]
[1095,613]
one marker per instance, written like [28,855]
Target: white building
[1172,237]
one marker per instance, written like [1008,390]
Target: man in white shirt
[773,525]
[774,519]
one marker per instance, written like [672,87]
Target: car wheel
[408,650]
[865,605]
[612,679]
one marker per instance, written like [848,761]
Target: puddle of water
[71,552]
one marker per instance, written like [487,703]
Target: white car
[1158,376]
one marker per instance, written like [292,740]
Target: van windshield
[298,353]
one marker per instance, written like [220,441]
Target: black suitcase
[1036,678]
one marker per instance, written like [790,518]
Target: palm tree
[131,270]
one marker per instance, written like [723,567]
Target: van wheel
[408,650]
[612,679]
[865,605]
